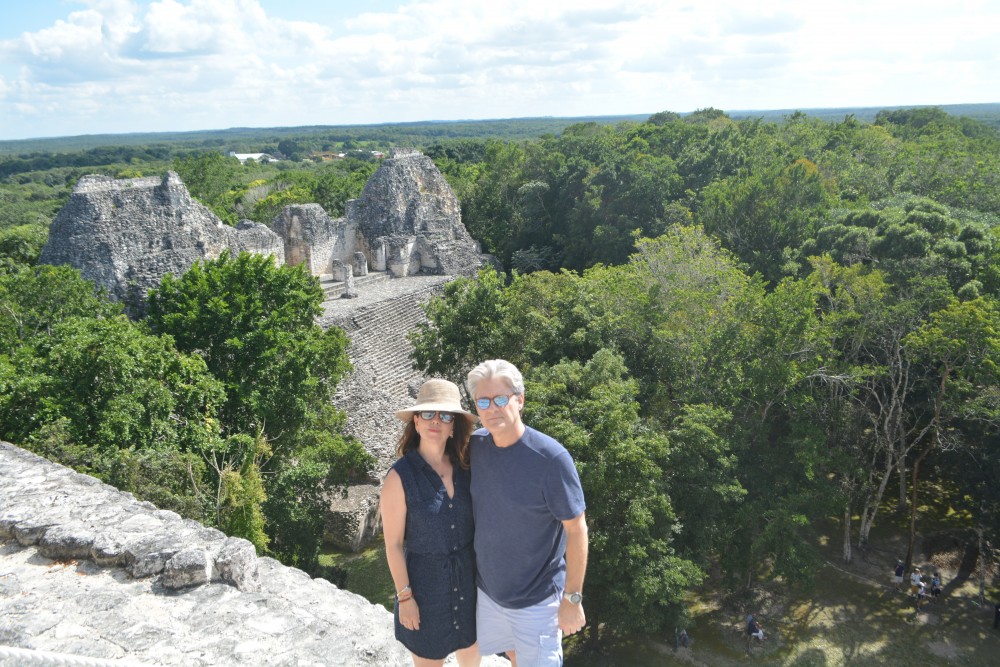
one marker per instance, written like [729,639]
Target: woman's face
[433,430]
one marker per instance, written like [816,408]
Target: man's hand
[571,617]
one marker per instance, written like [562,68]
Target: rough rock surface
[411,219]
[313,238]
[208,600]
[126,234]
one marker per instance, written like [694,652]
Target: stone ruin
[126,234]
[411,221]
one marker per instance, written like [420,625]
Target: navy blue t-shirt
[520,496]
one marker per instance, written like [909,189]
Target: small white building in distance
[256,157]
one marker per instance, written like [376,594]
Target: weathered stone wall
[313,238]
[126,234]
[411,221]
[89,571]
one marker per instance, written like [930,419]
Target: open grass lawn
[367,573]
[852,617]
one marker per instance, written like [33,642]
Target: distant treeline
[247,139]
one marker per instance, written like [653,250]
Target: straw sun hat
[437,395]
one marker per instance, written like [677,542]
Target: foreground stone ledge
[74,516]
[88,571]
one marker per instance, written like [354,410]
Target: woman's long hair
[457,445]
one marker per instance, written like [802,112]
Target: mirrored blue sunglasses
[428,415]
[499,401]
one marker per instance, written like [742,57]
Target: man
[898,575]
[531,532]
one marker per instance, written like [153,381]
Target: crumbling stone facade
[411,220]
[314,239]
[126,234]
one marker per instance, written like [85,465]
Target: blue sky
[94,66]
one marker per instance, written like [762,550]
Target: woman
[427,522]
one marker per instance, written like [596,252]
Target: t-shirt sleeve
[563,492]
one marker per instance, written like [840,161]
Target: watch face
[575,598]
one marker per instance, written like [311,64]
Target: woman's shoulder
[403,464]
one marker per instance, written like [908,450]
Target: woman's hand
[409,614]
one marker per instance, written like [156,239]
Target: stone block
[149,555]
[188,567]
[67,541]
[352,519]
[360,264]
[28,532]
[236,564]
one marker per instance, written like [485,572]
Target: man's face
[499,421]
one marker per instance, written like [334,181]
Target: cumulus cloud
[118,65]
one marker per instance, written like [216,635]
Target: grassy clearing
[851,617]
[367,573]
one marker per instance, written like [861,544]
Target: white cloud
[117,65]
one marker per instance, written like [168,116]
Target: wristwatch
[575,598]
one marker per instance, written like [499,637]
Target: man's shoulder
[543,444]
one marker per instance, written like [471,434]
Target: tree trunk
[868,520]
[847,534]
[932,442]
[901,470]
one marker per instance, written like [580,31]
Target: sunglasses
[445,417]
[499,401]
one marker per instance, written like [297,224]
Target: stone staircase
[378,337]
[334,288]
[383,379]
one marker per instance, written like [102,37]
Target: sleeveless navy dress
[439,559]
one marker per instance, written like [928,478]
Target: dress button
[455,590]
[456,607]
[453,526]
[450,505]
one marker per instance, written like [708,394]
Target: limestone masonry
[125,235]
[87,570]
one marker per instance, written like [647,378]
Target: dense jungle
[772,345]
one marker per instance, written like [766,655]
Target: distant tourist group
[921,590]
[486,537]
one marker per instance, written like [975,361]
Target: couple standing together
[515,582]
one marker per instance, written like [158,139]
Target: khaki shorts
[533,632]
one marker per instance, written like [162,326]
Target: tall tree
[591,409]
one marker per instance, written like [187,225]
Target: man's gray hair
[495,368]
